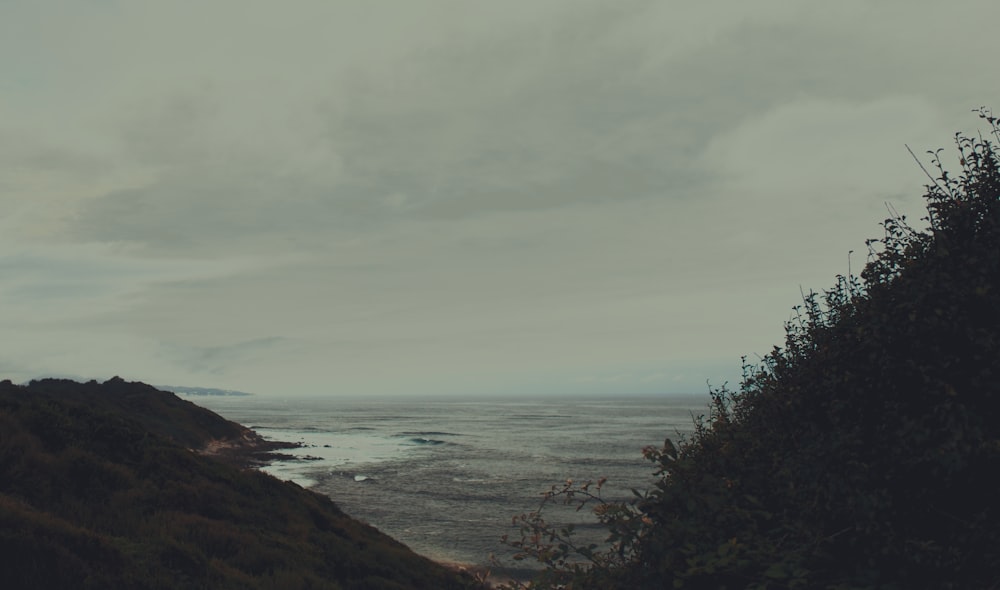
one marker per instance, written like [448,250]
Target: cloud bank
[442,197]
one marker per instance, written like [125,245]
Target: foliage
[99,488]
[862,454]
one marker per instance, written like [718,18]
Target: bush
[862,454]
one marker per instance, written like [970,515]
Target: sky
[527,197]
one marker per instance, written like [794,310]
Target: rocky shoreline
[250,450]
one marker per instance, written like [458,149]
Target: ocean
[446,476]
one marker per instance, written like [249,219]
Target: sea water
[446,476]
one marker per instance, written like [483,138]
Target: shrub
[862,454]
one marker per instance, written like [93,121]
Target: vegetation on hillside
[862,454]
[100,488]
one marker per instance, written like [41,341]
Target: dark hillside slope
[99,488]
[159,412]
[863,454]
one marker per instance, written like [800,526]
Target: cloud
[595,106]
[427,195]
[834,144]
[484,126]
[59,284]
[526,117]
[220,360]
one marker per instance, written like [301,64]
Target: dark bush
[862,454]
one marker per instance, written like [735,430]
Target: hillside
[101,487]
[862,454]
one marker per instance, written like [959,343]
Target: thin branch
[919,163]
[897,217]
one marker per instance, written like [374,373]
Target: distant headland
[201,390]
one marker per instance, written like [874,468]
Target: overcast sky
[455,197]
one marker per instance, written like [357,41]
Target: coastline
[484,574]
[411,485]
[252,451]
[249,451]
